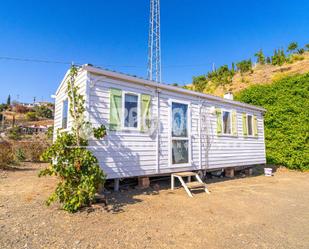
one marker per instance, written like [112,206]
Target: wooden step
[184,174]
[192,185]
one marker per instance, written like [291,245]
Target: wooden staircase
[188,186]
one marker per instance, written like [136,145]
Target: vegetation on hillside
[286,119]
[224,77]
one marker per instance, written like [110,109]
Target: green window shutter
[219,120]
[244,124]
[115,109]
[145,112]
[255,129]
[234,123]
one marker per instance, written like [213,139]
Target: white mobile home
[157,129]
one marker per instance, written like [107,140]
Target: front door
[180,142]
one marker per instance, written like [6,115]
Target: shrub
[3,107]
[244,66]
[286,119]
[221,76]
[301,51]
[292,47]
[14,133]
[200,83]
[31,116]
[20,108]
[35,148]
[77,168]
[260,57]
[50,132]
[20,155]
[278,58]
[43,111]
[31,149]
[6,154]
[296,57]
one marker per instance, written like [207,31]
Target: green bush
[279,58]
[78,170]
[43,112]
[76,167]
[31,116]
[14,133]
[286,119]
[20,155]
[244,66]
[50,132]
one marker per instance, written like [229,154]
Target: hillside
[260,74]
[286,119]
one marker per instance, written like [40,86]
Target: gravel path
[252,212]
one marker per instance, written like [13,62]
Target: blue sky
[113,34]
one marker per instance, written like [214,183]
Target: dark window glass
[130,106]
[250,130]
[65,108]
[180,151]
[227,123]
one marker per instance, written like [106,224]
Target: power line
[32,60]
[56,62]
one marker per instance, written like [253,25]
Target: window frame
[252,131]
[62,114]
[124,111]
[231,123]
[171,138]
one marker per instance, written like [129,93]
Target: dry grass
[262,74]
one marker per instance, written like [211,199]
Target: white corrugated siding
[123,153]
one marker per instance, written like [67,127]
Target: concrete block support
[143,182]
[116,185]
[229,172]
[249,172]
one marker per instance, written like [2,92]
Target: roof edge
[126,77]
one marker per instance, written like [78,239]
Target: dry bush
[32,148]
[20,108]
[35,147]
[6,154]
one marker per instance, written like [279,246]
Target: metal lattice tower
[154,46]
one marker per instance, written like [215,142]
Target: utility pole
[154,43]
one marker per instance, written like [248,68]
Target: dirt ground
[250,212]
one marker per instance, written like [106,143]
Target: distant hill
[287,117]
[260,74]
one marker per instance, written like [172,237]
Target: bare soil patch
[251,212]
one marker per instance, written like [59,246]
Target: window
[65,110]
[227,122]
[250,125]
[179,133]
[130,110]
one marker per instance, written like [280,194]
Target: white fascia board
[62,82]
[125,77]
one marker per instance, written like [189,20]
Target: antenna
[154,44]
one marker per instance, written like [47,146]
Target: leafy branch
[70,160]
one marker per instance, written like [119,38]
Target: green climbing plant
[70,159]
